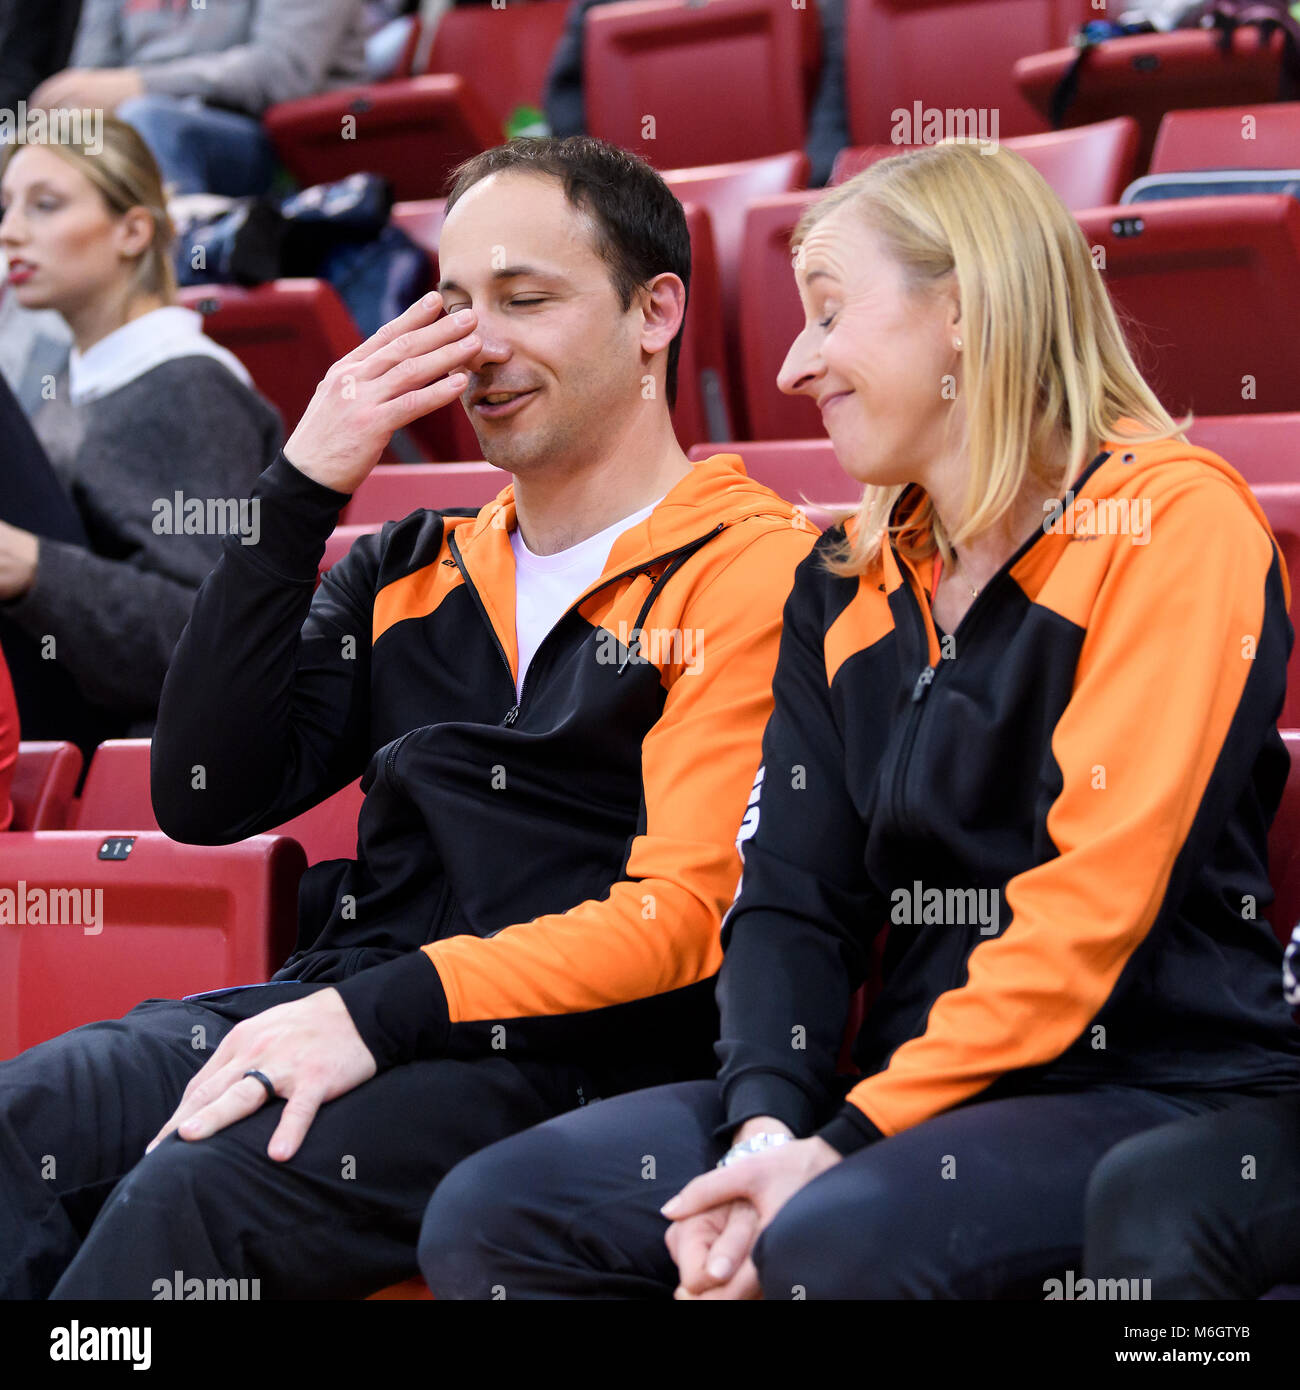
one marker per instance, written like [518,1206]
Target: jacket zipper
[512,714]
[926,679]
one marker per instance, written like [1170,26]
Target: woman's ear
[135,232]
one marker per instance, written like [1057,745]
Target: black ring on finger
[265,1080]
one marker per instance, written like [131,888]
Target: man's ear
[664,306]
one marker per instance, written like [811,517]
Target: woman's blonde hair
[1044,359]
[127,176]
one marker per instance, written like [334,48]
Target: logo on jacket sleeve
[750,822]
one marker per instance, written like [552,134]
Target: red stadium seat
[946,55]
[503,54]
[116,797]
[116,793]
[1284,848]
[803,471]
[1146,75]
[171,920]
[394,490]
[771,317]
[723,81]
[725,190]
[1234,137]
[287,333]
[1281,503]
[703,388]
[341,541]
[1088,166]
[1211,287]
[412,131]
[44,781]
[1262,448]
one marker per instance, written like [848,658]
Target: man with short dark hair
[557,706]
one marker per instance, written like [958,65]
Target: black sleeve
[796,939]
[265,709]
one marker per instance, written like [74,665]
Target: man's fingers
[415,405]
[203,1087]
[419,315]
[245,1096]
[454,336]
[299,1111]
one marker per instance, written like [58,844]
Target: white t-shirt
[547,585]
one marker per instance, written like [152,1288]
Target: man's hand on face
[392,379]
[87,88]
[308,1049]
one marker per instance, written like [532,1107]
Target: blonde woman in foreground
[1024,720]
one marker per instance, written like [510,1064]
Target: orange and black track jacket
[1058,811]
[545,875]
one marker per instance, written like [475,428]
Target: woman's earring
[956,342]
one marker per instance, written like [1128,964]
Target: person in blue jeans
[1047,766]
[194,81]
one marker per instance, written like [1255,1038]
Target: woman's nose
[799,370]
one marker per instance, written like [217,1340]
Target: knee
[1136,1218]
[468,1225]
[837,1240]
[152,114]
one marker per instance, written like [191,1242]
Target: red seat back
[1088,166]
[771,317]
[1235,137]
[116,797]
[1146,75]
[1262,448]
[725,191]
[703,388]
[44,781]
[169,920]
[946,55]
[411,130]
[288,333]
[394,490]
[803,471]
[722,81]
[503,54]
[1211,289]
[1284,848]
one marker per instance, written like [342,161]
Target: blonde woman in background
[149,408]
[1024,718]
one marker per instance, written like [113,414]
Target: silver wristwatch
[755,1144]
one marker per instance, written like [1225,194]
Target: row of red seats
[1211,286]
[174,919]
[690,84]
